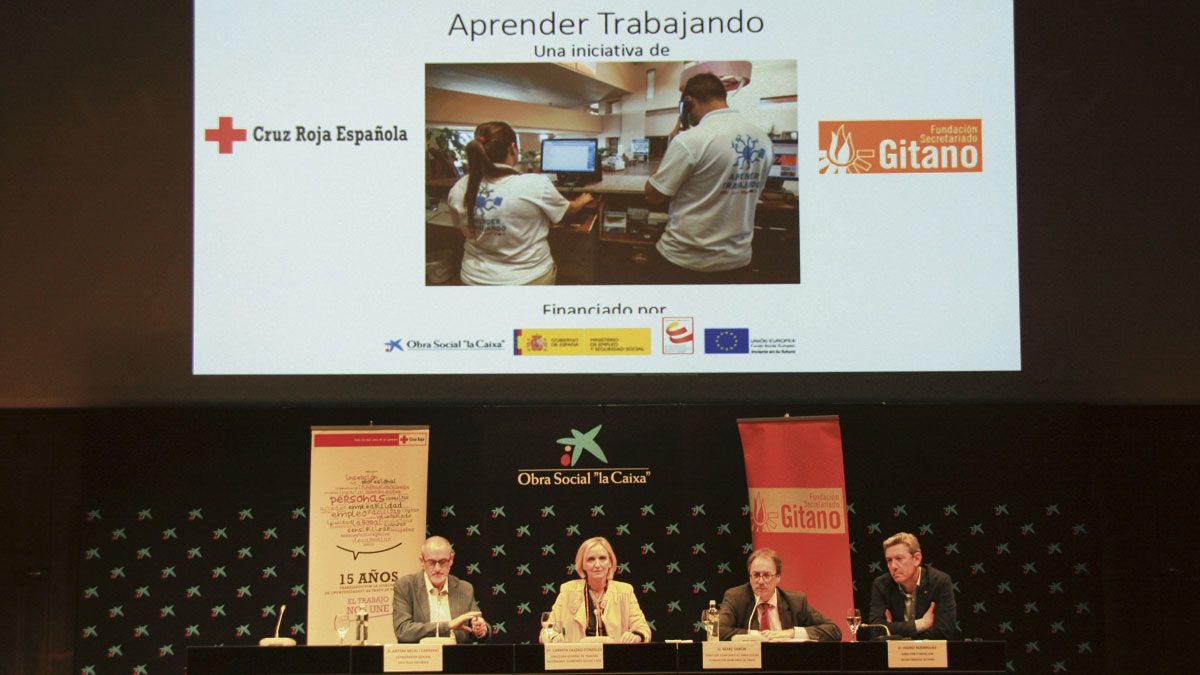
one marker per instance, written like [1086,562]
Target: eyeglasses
[444,562]
[762,576]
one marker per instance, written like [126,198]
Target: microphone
[887,632]
[598,610]
[278,641]
[748,636]
[754,610]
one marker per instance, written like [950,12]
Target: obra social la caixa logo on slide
[583,445]
[900,146]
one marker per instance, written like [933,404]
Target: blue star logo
[485,201]
[748,151]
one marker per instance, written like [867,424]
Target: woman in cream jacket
[597,595]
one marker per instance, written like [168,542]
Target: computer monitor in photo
[784,166]
[574,160]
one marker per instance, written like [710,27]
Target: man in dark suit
[433,602]
[912,599]
[775,613]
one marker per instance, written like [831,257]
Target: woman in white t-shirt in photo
[505,215]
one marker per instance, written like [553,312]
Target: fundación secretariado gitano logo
[810,510]
[574,447]
[900,146]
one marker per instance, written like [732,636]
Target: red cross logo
[225,135]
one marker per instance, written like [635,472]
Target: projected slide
[844,201]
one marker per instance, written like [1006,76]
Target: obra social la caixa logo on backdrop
[808,510]
[584,446]
[900,146]
[226,133]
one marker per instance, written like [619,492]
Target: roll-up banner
[798,506]
[367,499]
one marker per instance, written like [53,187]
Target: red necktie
[764,616]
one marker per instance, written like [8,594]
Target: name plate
[736,655]
[574,656]
[412,658]
[917,654]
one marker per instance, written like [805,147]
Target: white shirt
[714,174]
[439,603]
[508,246]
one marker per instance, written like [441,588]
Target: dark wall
[1034,510]
[42,455]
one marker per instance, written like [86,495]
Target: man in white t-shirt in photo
[712,175]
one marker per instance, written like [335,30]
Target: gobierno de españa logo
[900,146]
[574,447]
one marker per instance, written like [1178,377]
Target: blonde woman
[595,604]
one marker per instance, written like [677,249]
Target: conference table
[650,659]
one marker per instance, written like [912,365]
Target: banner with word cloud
[798,506]
[367,499]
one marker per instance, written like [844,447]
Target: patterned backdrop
[182,570]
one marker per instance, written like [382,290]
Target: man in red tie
[774,613]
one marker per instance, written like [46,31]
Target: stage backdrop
[196,522]
[367,500]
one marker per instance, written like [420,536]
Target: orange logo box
[900,146]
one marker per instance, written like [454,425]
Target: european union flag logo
[726,340]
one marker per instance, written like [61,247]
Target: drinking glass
[548,626]
[341,624]
[853,621]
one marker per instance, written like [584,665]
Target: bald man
[433,602]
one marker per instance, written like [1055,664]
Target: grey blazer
[410,609]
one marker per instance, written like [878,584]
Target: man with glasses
[764,607]
[433,602]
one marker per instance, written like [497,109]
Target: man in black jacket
[912,599]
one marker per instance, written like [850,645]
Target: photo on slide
[610,173]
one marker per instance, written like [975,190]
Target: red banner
[798,506]
[355,440]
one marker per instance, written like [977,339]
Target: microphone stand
[887,632]
[753,610]
[278,641]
